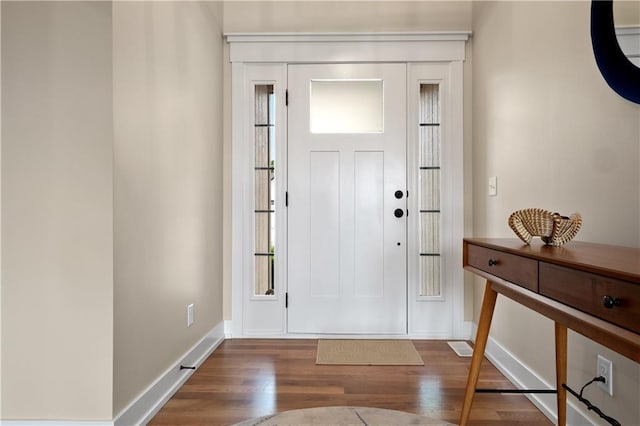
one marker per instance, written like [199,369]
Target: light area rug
[343,416]
[367,352]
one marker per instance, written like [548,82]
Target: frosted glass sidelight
[264,189]
[430,271]
[429,146]
[429,183]
[430,189]
[347,106]
[430,233]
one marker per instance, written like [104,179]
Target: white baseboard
[149,402]
[523,378]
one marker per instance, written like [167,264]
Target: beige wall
[57,317]
[626,13]
[548,126]
[111,189]
[167,61]
[333,16]
[346,16]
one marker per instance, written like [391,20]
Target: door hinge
[286,97]
[286,199]
[286,300]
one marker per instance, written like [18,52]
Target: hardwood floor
[248,378]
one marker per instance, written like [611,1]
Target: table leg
[561,372]
[484,324]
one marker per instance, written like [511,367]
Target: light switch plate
[190,315]
[493,186]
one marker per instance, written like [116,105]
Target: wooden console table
[593,289]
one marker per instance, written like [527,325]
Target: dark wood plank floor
[247,378]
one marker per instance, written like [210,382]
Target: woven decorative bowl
[553,228]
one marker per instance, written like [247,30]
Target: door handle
[398,194]
[398,212]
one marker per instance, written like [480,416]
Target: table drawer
[587,292]
[516,269]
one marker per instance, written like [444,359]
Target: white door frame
[248,53]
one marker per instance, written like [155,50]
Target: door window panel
[347,106]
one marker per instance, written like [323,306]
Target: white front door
[347,229]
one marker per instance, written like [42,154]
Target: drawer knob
[609,302]
[493,262]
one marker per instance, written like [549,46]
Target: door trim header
[383,36]
[347,47]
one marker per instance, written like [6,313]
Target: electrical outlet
[190,315]
[605,369]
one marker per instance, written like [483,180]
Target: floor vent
[461,348]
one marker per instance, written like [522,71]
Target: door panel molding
[369,195]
